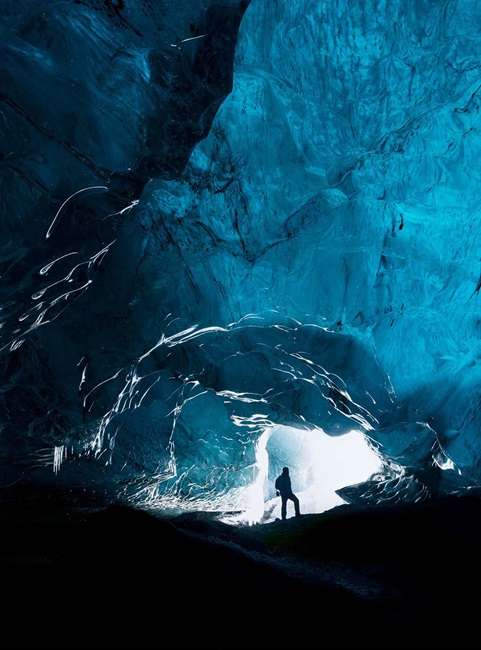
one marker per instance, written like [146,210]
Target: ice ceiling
[225,219]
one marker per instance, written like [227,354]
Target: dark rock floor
[378,574]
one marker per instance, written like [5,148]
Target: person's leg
[296,504]
[283,507]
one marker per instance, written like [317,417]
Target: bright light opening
[318,466]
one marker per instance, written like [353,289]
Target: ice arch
[319,465]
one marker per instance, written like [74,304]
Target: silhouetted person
[284,489]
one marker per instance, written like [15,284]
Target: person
[284,489]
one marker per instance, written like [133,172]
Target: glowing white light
[319,465]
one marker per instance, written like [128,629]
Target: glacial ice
[219,219]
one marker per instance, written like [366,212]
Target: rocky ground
[401,573]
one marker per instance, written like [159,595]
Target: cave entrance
[319,465]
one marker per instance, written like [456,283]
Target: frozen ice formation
[223,217]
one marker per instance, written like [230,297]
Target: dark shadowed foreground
[382,574]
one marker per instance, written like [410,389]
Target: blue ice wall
[224,217]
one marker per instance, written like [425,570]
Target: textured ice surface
[218,218]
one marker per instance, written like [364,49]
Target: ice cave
[236,235]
